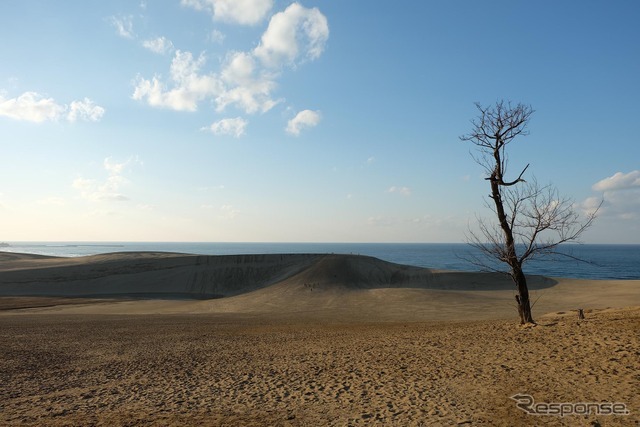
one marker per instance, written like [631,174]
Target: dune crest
[147,273]
[321,286]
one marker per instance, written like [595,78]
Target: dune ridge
[328,287]
[146,273]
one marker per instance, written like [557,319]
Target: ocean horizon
[596,261]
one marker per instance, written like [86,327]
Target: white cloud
[622,205]
[590,205]
[620,197]
[246,88]
[113,167]
[229,212]
[251,98]
[234,127]
[239,68]
[123,25]
[108,190]
[86,110]
[246,80]
[619,181]
[239,85]
[304,119]
[33,107]
[245,12]
[294,33]
[217,36]
[189,86]
[404,191]
[160,45]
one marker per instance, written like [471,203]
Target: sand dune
[297,340]
[329,287]
[145,273]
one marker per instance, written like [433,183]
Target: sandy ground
[305,341]
[228,370]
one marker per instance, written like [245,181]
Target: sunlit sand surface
[138,339]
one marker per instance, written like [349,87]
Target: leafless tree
[533,220]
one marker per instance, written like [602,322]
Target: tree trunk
[524,303]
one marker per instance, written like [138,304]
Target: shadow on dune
[179,276]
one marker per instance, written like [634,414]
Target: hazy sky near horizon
[269,120]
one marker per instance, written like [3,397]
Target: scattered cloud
[245,80]
[116,168]
[108,190]
[34,107]
[590,205]
[93,191]
[229,212]
[239,85]
[234,127]
[216,36]
[404,191]
[159,45]
[245,12]
[620,197]
[123,25]
[246,88]
[619,181]
[189,87]
[295,33]
[304,119]
[85,110]
[623,205]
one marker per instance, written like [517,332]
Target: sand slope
[328,287]
[145,273]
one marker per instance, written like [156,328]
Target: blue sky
[269,120]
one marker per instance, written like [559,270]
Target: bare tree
[533,220]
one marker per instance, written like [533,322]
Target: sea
[586,261]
